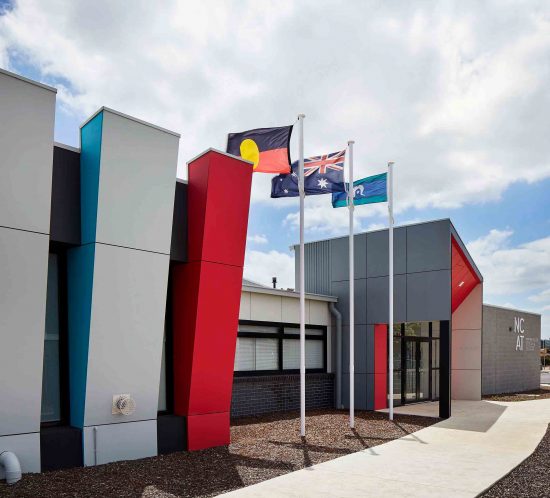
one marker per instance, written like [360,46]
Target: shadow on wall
[486,414]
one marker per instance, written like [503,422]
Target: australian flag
[322,175]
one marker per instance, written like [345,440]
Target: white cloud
[455,95]
[257,239]
[262,266]
[512,272]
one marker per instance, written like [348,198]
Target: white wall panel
[126,332]
[116,442]
[26,143]
[23,283]
[265,307]
[466,347]
[136,184]
[27,449]
[319,313]
[244,310]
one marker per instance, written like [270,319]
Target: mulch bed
[529,479]
[542,393]
[261,448]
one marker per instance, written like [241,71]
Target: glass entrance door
[411,366]
[417,369]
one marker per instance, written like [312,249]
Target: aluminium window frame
[280,335]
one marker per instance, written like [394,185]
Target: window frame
[62,295]
[280,335]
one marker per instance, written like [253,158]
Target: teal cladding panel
[80,276]
[90,158]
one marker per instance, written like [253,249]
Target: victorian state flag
[266,148]
[322,175]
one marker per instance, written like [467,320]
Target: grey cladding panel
[178,244]
[360,348]
[377,303]
[317,270]
[429,246]
[360,391]
[370,348]
[429,296]
[341,290]
[339,252]
[377,252]
[65,212]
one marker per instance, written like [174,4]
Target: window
[268,348]
[53,376]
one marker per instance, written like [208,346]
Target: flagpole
[302,284]
[390,249]
[351,293]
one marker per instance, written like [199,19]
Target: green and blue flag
[365,191]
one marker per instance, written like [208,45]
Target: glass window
[291,354]
[296,330]
[396,329]
[51,378]
[435,329]
[258,329]
[417,329]
[435,353]
[256,354]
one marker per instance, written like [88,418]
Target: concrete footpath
[459,457]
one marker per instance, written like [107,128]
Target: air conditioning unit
[123,404]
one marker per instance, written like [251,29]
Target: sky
[456,93]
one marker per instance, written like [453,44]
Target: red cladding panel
[219,196]
[380,366]
[207,431]
[206,296]
[463,276]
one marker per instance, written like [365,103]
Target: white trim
[211,149]
[131,118]
[511,309]
[27,80]
[296,295]
[67,147]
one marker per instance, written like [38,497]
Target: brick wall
[256,395]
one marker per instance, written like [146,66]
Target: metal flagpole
[351,194]
[390,248]
[302,285]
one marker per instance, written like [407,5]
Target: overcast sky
[456,93]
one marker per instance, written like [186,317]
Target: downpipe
[338,317]
[12,468]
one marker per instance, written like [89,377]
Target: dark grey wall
[65,213]
[178,246]
[422,287]
[259,394]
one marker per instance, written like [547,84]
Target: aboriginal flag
[267,148]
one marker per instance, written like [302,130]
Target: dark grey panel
[370,349]
[178,246]
[360,349]
[429,246]
[65,206]
[339,253]
[360,391]
[370,391]
[378,300]
[377,252]
[429,296]
[60,448]
[171,434]
[341,290]
[360,255]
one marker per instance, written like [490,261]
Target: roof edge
[28,80]
[294,294]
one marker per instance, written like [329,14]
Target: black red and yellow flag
[267,148]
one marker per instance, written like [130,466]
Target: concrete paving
[458,457]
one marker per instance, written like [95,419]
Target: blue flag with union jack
[322,175]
